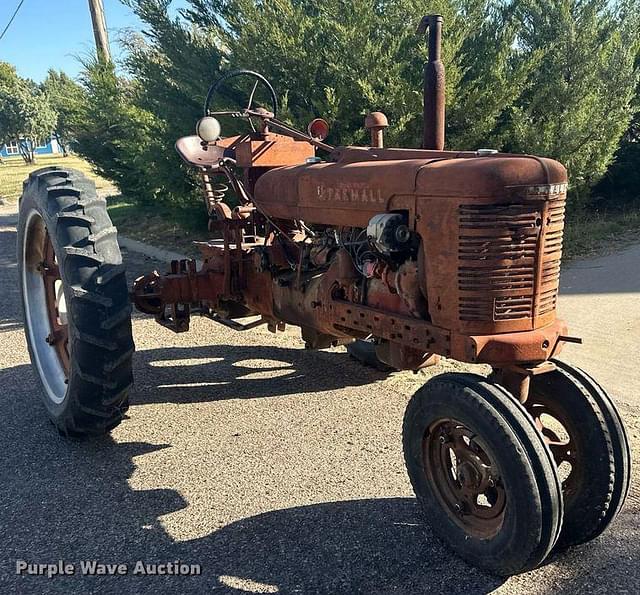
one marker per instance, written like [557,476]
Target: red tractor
[402,255]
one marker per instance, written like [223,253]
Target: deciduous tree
[66,97]
[26,114]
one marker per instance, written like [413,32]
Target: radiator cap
[486,152]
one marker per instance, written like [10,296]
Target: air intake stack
[434,85]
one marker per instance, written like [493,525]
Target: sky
[52,33]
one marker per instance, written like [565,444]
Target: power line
[11,20]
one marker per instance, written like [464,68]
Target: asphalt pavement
[277,470]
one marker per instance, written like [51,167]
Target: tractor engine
[470,242]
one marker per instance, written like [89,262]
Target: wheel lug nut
[442,439]
[491,483]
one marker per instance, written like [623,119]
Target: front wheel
[482,473]
[585,433]
[75,302]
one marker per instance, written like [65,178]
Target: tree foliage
[580,98]
[552,78]
[67,98]
[620,187]
[26,114]
[113,133]
[340,59]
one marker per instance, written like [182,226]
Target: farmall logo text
[354,192]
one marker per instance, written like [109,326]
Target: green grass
[593,233]
[13,171]
[172,228]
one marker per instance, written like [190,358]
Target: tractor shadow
[74,500]
[219,372]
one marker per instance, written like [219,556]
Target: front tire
[482,473]
[75,302]
[606,471]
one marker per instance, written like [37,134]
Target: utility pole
[100,30]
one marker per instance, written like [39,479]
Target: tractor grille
[499,256]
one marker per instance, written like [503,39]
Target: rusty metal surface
[497,270]
[376,122]
[477,280]
[464,477]
[402,330]
[352,192]
[351,154]
[434,86]
[486,277]
[272,150]
[335,193]
[59,336]
[505,348]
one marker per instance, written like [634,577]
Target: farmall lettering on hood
[356,192]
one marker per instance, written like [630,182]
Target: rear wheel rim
[56,304]
[45,307]
[465,478]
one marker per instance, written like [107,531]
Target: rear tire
[87,375]
[499,504]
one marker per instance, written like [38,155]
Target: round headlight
[208,129]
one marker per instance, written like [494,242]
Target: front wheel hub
[466,479]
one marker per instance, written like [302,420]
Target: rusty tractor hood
[351,190]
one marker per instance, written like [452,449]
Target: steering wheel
[249,110]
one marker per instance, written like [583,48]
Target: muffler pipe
[434,85]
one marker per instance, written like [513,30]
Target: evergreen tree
[579,100]
[113,133]
[556,79]
[338,59]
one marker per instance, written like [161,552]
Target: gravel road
[274,468]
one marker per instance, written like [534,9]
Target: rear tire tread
[101,369]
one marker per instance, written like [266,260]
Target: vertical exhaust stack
[434,85]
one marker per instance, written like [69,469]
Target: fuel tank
[362,183]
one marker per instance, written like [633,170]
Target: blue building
[48,146]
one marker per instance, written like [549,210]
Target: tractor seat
[193,152]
